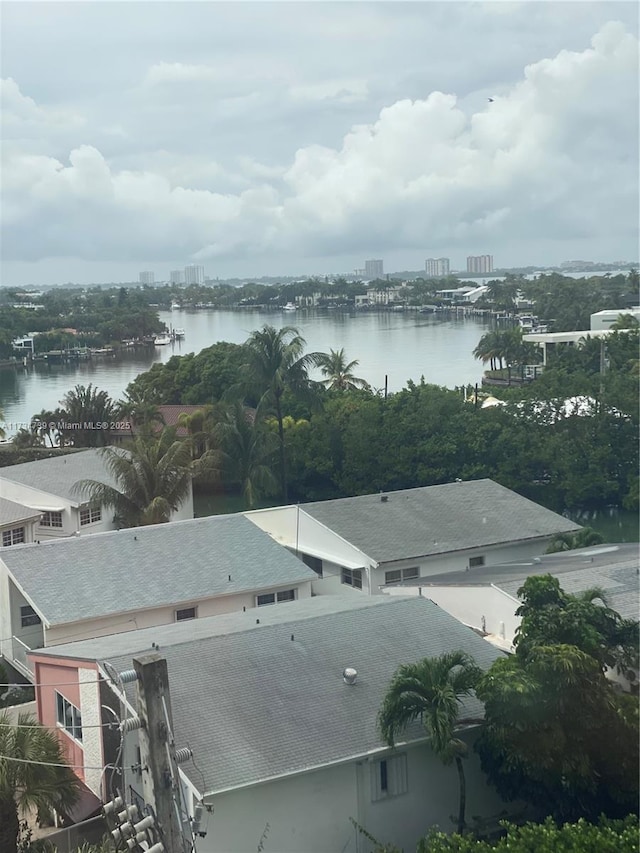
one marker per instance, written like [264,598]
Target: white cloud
[555,153]
[22,116]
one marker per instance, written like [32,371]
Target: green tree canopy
[29,779]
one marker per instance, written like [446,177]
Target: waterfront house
[371,541]
[47,487]
[285,747]
[92,586]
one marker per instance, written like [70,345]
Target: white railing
[20,660]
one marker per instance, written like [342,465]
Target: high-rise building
[147,277]
[373,269]
[176,276]
[437,267]
[193,274]
[480,263]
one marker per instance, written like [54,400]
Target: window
[51,519]
[389,777]
[352,577]
[398,575]
[273,597]
[185,613]
[28,616]
[13,537]
[474,562]
[90,514]
[68,716]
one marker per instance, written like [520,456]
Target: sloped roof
[11,512]
[146,567]
[257,701]
[437,519]
[613,568]
[57,475]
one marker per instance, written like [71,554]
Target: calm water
[400,345]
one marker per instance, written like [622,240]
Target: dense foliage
[606,836]
[558,733]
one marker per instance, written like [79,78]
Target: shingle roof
[253,703]
[613,568]
[11,512]
[58,474]
[145,567]
[437,519]
[619,580]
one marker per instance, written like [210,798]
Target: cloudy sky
[298,138]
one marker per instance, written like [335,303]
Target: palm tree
[431,691]
[141,408]
[86,405]
[153,477]
[276,362]
[38,786]
[248,447]
[337,369]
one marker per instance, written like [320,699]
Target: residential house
[371,541]
[284,746]
[92,586]
[168,415]
[487,599]
[17,523]
[49,487]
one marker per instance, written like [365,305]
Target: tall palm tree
[337,370]
[24,786]
[248,448]
[276,362]
[86,405]
[431,691]
[153,476]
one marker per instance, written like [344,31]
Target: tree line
[282,424]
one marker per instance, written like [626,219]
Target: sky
[265,138]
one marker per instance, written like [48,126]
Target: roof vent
[384,498]
[349,675]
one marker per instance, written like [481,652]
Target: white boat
[290,307]
[178,334]
[162,340]
[175,306]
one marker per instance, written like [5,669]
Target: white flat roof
[565,337]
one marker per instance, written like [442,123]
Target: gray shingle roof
[10,512]
[145,567]
[619,580]
[253,703]
[437,519]
[58,474]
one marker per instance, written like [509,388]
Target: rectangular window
[185,613]
[90,514]
[398,575]
[352,577]
[13,537]
[273,597]
[68,716]
[389,777]
[475,562]
[51,519]
[28,616]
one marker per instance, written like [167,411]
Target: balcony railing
[20,659]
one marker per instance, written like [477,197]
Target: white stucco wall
[458,561]
[130,621]
[91,732]
[293,528]
[469,604]
[311,812]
